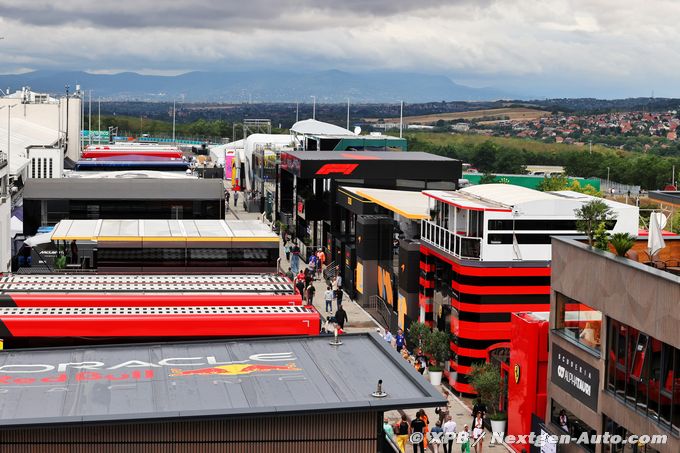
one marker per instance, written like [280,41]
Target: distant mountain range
[257,86]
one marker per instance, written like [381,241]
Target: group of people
[227,197]
[315,263]
[398,341]
[445,426]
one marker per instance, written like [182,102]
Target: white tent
[24,134]
[314,127]
[655,242]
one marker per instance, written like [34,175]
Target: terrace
[667,259]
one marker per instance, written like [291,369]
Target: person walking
[74,252]
[400,340]
[418,426]
[286,249]
[227,195]
[426,420]
[437,434]
[477,431]
[450,433]
[295,258]
[389,431]
[388,336]
[443,411]
[328,297]
[235,199]
[300,283]
[465,438]
[320,261]
[341,317]
[479,407]
[402,433]
[310,293]
[311,266]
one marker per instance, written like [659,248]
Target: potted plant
[438,347]
[416,335]
[590,216]
[487,382]
[622,242]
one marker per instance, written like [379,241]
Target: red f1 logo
[343,169]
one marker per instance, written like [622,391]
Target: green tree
[484,158]
[487,178]
[601,237]
[511,162]
[438,346]
[487,382]
[553,184]
[591,215]
[417,334]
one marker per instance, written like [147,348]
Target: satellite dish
[357,130]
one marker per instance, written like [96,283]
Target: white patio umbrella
[655,242]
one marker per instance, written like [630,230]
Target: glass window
[675,407]
[641,371]
[567,422]
[610,426]
[578,321]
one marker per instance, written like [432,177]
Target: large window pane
[642,371]
[578,322]
[653,383]
[675,410]
[612,338]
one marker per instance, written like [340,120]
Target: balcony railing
[460,246]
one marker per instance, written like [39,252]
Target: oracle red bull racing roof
[206,379]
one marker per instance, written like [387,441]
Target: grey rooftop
[206,379]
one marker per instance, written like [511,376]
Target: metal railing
[464,247]
[377,305]
[330,270]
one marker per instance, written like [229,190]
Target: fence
[618,188]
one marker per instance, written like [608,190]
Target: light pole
[401,119]
[313,107]
[347,113]
[89,120]
[608,188]
[66,87]
[173,122]
[9,117]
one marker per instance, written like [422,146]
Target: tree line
[650,172]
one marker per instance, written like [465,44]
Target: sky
[539,48]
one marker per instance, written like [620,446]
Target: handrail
[465,247]
[377,303]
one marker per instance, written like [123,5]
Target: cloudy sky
[602,48]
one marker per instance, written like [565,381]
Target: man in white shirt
[449,427]
[388,336]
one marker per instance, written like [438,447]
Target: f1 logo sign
[343,169]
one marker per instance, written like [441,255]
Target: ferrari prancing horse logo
[516,373]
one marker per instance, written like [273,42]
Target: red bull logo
[235,369]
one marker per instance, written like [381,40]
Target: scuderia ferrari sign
[575,377]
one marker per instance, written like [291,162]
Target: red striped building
[485,254]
